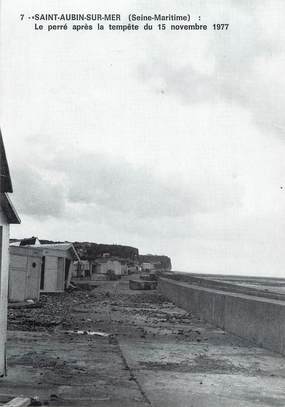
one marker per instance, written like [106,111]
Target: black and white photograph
[142,203]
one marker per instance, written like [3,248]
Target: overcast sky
[172,142]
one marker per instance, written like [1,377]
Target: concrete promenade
[157,355]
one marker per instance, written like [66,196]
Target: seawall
[260,320]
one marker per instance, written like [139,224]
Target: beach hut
[57,266]
[8,216]
[24,274]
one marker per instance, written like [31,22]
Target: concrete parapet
[216,283]
[260,320]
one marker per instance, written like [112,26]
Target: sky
[172,142]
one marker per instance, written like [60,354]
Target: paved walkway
[156,355]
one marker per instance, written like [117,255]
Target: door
[67,273]
[50,274]
[33,278]
[43,267]
[60,274]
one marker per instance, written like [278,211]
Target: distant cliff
[159,262]
[89,251]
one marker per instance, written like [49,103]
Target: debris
[15,305]
[71,287]
[86,286]
[53,397]
[35,401]
[142,285]
[80,310]
[91,333]
[149,277]
[113,340]
[111,276]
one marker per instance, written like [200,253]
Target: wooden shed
[57,265]
[8,216]
[24,274]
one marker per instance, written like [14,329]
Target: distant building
[81,269]
[107,265]
[133,268]
[8,216]
[147,267]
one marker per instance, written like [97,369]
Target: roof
[5,178]
[9,209]
[24,251]
[57,246]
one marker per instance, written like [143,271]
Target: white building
[105,265]
[147,266]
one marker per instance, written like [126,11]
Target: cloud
[85,184]
[243,65]
[113,183]
[36,194]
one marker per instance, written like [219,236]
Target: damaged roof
[5,178]
[57,246]
[29,241]
[6,186]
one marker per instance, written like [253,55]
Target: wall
[218,283]
[24,274]
[4,267]
[257,319]
[17,277]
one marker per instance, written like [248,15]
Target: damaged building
[40,268]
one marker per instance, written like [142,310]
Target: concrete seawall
[260,320]
[219,284]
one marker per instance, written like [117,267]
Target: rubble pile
[51,311]
[88,312]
